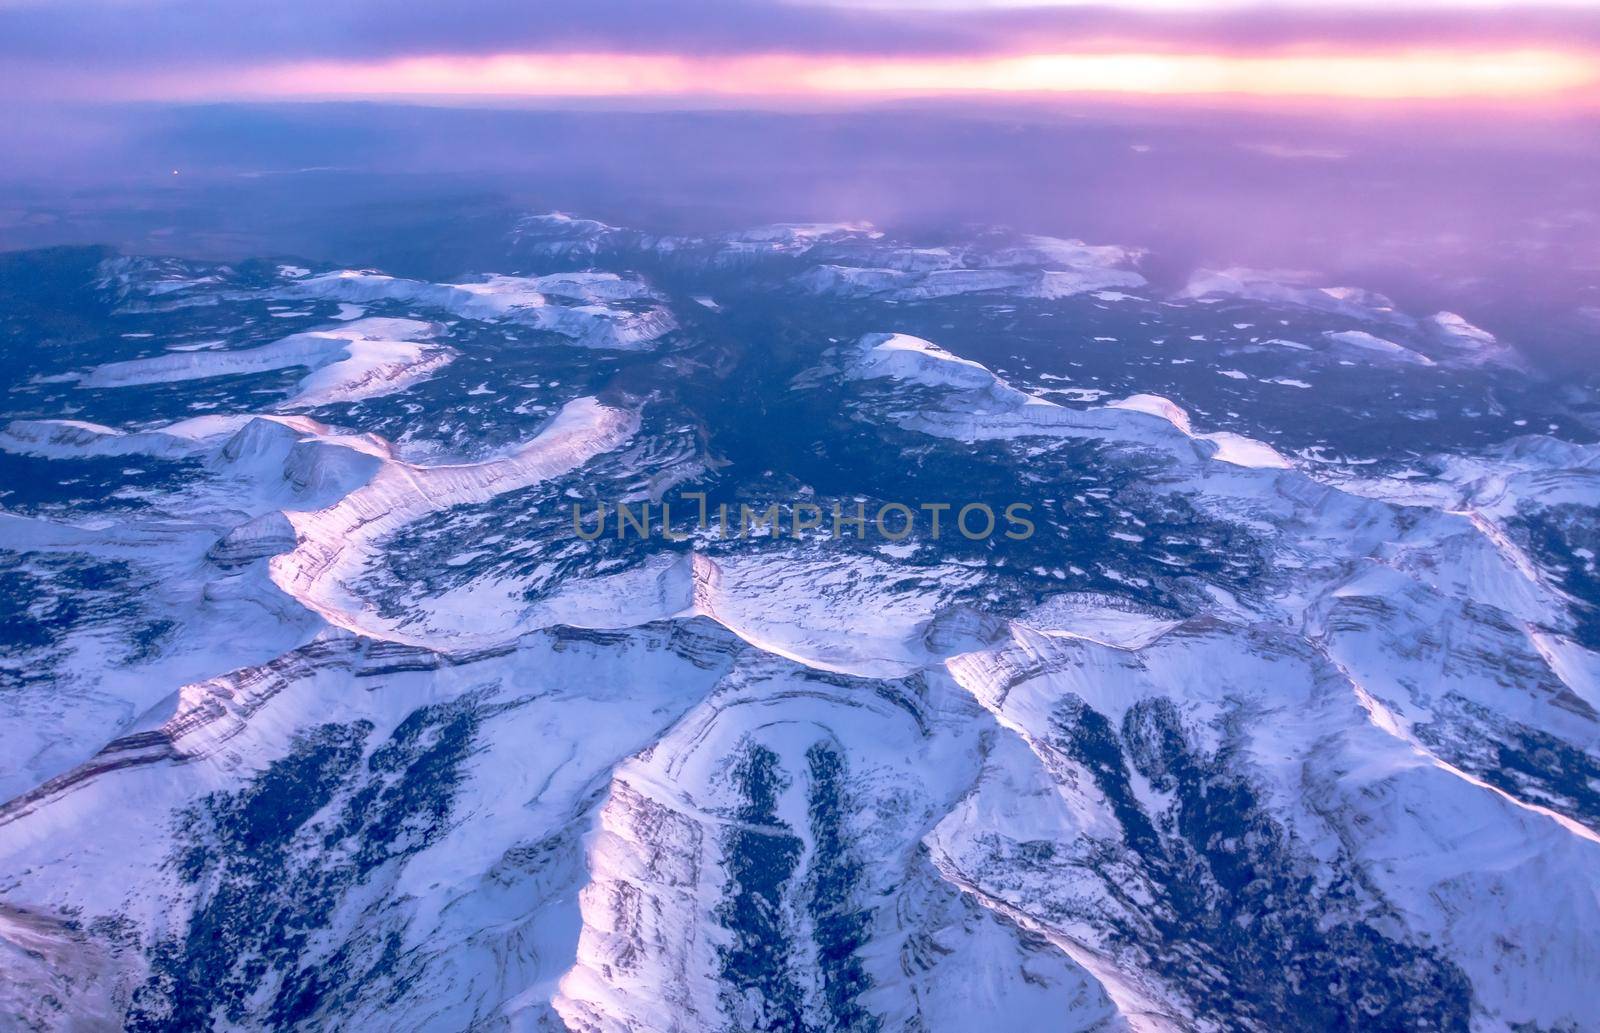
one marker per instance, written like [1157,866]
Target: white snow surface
[986,864]
[1468,344]
[1042,267]
[582,306]
[983,405]
[358,359]
[335,543]
[905,357]
[1230,447]
[1382,346]
[1291,287]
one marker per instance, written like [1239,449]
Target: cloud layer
[199,47]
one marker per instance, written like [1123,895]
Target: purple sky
[197,49]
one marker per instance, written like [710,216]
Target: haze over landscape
[343,340]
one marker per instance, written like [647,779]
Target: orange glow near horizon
[1418,76]
[1422,75]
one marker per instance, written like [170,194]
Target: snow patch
[360,359]
[1366,342]
[582,306]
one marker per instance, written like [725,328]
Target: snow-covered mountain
[338,693]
